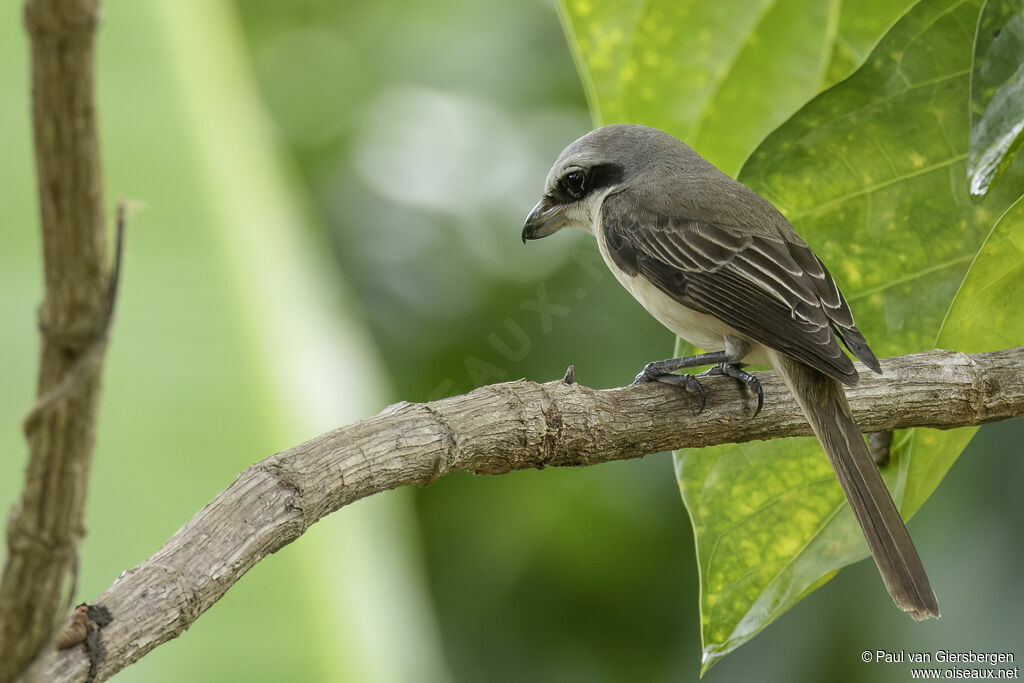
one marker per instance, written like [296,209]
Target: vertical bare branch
[45,526]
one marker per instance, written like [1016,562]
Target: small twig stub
[570,375]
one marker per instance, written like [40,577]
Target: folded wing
[773,290]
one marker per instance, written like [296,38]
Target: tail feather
[824,404]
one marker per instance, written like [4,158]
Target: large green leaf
[997,92]
[861,24]
[720,75]
[870,173]
[984,316]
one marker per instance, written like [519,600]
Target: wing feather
[774,290]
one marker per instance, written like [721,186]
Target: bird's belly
[700,329]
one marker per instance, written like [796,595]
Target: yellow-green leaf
[720,75]
[870,172]
[984,316]
[861,24]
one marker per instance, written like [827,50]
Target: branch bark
[45,526]
[493,430]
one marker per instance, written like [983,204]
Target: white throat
[586,215]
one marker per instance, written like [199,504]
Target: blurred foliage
[869,173]
[411,138]
[997,92]
[424,177]
[183,408]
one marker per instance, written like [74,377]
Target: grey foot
[650,373]
[735,371]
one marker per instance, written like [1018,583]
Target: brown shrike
[719,266]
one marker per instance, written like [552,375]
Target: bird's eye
[574,182]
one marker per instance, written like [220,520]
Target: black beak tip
[527,233]
[539,223]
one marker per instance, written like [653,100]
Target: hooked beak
[545,219]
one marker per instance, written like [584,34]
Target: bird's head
[601,162]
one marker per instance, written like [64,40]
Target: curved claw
[756,384]
[752,383]
[694,386]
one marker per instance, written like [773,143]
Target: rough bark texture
[492,430]
[45,526]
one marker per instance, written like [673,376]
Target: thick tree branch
[45,526]
[492,430]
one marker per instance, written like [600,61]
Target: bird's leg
[662,371]
[655,371]
[725,362]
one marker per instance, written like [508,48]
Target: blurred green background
[334,193]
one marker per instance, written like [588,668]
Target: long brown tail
[824,403]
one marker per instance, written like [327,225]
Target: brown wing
[774,291]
